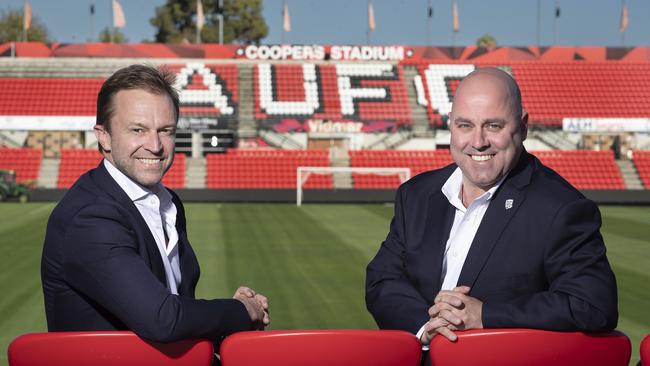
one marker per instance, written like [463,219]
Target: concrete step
[418,112]
[247,124]
[339,157]
[48,174]
[630,175]
[195,173]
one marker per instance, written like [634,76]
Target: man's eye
[137,130]
[494,126]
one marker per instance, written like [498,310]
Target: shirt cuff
[419,336]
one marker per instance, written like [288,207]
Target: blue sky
[511,22]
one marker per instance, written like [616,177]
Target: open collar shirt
[159,212]
[464,228]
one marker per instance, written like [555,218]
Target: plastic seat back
[104,348]
[644,351]
[321,348]
[506,347]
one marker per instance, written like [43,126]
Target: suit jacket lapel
[503,206]
[110,186]
[187,258]
[440,218]
[189,270]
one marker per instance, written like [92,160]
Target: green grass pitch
[310,261]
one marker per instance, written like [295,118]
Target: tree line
[175,22]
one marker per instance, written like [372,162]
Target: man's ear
[524,125]
[103,138]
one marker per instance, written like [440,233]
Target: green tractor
[9,189]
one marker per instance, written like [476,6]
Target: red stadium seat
[26,162]
[103,348]
[276,169]
[75,162]
[510,347]
[644,351]
[419,161]
[321,348]
[583,168]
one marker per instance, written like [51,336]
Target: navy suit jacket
[538,264]
[101,270]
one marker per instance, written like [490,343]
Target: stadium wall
[601,197]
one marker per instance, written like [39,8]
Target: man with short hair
[496,240]
[116,253]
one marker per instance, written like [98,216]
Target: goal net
[304,172]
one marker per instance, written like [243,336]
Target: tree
[243,21]
[11,28]
[118,36]
[487,41]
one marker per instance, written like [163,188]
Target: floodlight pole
[112,22]
[429,16]
[555,24]
[92,23]
[539,21]
[220,16]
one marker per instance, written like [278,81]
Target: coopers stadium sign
[315,52]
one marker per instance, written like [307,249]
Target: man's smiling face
[487,129]
[142,133]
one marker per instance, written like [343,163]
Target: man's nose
[479,139]
[153,142]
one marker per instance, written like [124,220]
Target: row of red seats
[48,96]
[331,347]
[25,162]
[265,169]
[277,168]
[417,160]
[585,169]
[75,162]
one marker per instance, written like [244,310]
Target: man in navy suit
[116,254]
[496,240]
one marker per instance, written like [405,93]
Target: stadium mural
[208,95]
[345,92]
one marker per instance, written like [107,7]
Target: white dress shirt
[466,223]
[157,209]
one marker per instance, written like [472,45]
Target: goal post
[304,172]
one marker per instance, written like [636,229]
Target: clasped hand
[452,310]
[257,306]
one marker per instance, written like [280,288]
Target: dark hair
[149,78]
